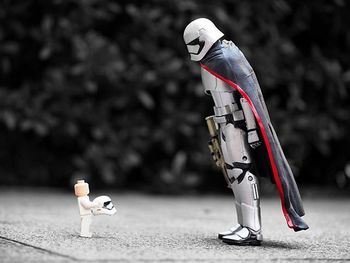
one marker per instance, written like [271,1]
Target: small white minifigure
[101,205]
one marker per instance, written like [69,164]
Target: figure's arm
[87,204]
[253,137]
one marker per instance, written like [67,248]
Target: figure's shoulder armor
[212,83]
[228,43]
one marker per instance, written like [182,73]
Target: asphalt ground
[41,225]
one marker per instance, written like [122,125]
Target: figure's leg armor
[247,202]
[243,183]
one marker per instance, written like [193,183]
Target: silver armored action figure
[241,128]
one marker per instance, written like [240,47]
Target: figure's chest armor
[212,83]
[221,92]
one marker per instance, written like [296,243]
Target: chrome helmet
[199,36]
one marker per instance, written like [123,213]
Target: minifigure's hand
[253,139]
[95,204]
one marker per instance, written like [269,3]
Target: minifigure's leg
[243,183]
[85,222]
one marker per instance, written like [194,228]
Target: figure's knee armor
[236,151]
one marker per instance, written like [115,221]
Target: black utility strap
[244,167]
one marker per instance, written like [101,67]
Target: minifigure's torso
[83,202]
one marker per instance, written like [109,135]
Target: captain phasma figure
[243,141]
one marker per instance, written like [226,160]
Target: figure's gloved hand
[253,139]
[104,206]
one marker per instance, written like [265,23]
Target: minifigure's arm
[253,137]
[87,204]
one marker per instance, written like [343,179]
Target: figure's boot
[231,231]
[243,237]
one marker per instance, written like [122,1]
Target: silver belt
[222,112]
[227,109]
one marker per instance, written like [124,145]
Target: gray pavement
[42,226]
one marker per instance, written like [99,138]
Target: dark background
[104,90]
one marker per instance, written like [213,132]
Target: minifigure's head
[199,36]
[81,188]
[105,206]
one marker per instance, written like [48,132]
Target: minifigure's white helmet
[199,36]
[105,206]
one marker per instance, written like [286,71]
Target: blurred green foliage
[105,90]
